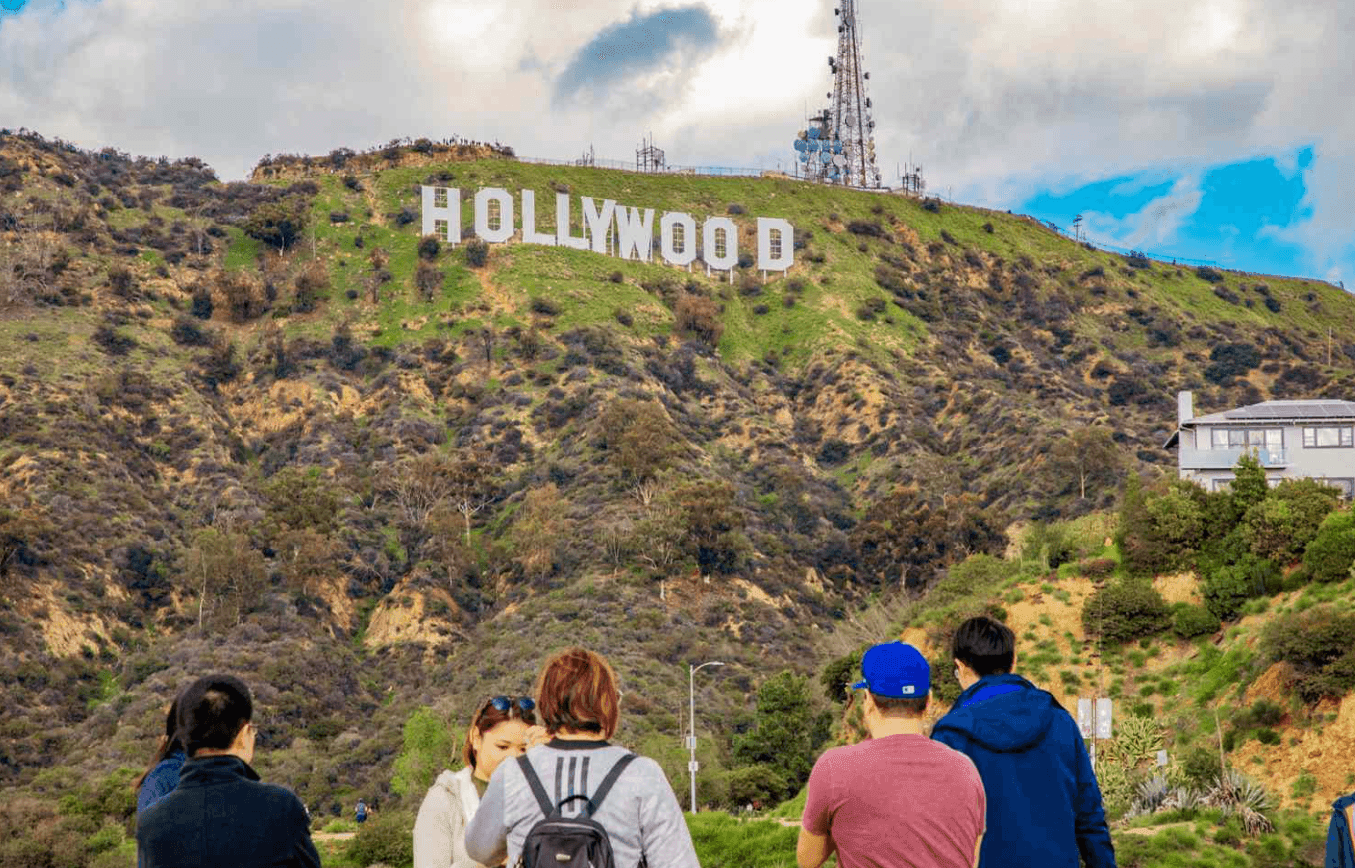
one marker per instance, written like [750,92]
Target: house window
[439,197]
[1329,437]
[1237,438]
[1222,483]
[1345,486]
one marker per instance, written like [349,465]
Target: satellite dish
[804,158]
[850,120]
[812,145]
[837,146]
[800,144]
[825,157]
[839,161]
[813,132]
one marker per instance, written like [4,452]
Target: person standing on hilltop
[1046,809]
[897,800]
[221,815]
[498,731]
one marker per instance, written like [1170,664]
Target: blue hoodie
[1340,846]
[1044,807]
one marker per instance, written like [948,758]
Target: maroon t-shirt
[903,801]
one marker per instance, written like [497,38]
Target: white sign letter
[562,233]
[711,243]
[635,232]
[598,223]
[482,203]
[669,232]
[775,254]
[529,233]
[442,205]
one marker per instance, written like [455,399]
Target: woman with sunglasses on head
[579,702]
[499,730]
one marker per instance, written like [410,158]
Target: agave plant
[1182,798]
[1149,796]
[1140,738]
[1238,794]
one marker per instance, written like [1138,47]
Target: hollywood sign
[609,229]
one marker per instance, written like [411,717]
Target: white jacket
[440,830]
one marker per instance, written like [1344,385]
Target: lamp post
[691,737]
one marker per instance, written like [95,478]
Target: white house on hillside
[1291,439]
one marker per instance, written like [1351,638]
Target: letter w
[635,233]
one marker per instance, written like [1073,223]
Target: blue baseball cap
[895,671]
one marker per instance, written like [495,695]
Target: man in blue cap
[898,800]
[1047,810]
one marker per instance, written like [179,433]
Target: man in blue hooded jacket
[1044,806]
[1341,834]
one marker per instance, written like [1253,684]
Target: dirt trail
[333,836]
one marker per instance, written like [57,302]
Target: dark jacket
[1044,807]
[1340,846]
[161,781]
[221,816]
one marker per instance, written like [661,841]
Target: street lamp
[691,737]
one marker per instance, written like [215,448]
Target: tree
[1249,485]
[278,224]
[904,538]
[1088,454]
[429,746]
[540,527]
[639,435]
[1124,610]
[1330,555]
[428,280]
[782,735]
[419,485]
[714,526]
[1282,525]
[303,498]
[21,531]
[226,572]
[305,557]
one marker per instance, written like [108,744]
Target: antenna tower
[839,144]
[649,157]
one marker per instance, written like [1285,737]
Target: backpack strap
[547,809]
[606,786]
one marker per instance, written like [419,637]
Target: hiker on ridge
[1044,806]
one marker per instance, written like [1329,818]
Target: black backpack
[557,841]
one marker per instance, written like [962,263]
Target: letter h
[442,213]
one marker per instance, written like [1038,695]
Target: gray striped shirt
[641,814]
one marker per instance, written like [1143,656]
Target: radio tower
[839,144]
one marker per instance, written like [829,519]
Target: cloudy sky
[1217,130]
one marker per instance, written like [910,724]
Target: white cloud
[997,99]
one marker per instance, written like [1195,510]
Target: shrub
[623,316]
[1213,275]
[1228,587]
[1281,526]
[698,317]
[477,253]
[202,303]
[187,332]
[1137,259]
[429,247]
[735,208]
[931,205]
[1328,558]
[352,183]
[1124,610]
[406,216]
[868,228]
[1050,545]
[1095,568]
[1190,621]
[313,280]
[1229,361]
[428,280]
[278,224]
[338,216]
[1320,644]
[545,306]
[988,227]
[385,838]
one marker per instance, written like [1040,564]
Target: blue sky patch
[635,46]
[11,5]
[1234,214]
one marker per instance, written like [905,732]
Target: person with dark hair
[1045,805]
[578,699]
[162,775]
[499,730]
[896,799]
[221,815]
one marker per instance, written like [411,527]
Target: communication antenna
[649,158]
[839,143]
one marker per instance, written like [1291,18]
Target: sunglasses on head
[502,704]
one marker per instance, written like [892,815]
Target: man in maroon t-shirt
[898,800]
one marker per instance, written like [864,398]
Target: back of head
[984,645]
[898,678]
[212,712]
[577,691]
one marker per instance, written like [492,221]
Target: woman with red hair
[579,703]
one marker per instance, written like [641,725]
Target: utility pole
[691,733]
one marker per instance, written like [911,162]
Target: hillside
[260,426]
